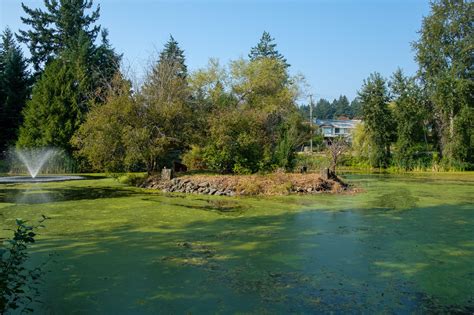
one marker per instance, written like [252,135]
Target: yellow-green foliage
[252,123]
[313,162]
[360,144]
[131,179]
[194,158]
[100,139]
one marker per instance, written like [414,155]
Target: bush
[194,158]
[313,162]
[131,179]
[17,282]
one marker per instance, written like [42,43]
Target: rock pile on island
[241,185]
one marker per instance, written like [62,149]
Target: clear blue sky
[334,43]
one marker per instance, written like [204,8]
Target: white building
[331,128]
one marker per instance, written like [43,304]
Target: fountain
[35,160]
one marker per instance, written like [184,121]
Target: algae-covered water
[404,245]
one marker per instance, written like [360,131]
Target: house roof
[338,123]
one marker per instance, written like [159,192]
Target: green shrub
[18,283]
[131,179]
[194,158]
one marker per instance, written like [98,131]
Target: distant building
[331,128]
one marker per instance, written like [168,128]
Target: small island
[249,185]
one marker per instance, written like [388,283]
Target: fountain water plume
[35,159]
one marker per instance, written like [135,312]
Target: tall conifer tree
[341,107]
[266,48]
[172,53]
[14,88]
[378,122]
[410,116]
[63,26]
[59,101]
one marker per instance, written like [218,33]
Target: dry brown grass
[269,184]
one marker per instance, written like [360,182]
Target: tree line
[426,119]
[241,117]
[339,108]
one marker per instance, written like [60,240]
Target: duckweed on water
[405,244]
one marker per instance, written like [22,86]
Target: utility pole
[311,123]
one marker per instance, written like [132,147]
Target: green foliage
[356,108]
[266,48]
[313,162]
[131,179]
[444,54]
[14,89]
[172,53]
[410,115]
[291,136]
[324,109]
[17,282]
[250,120]
[235,142]
[337,108]
[60,27]
[360,145]
[378,121]
[161,128]
[148,128]
[101,138]
[58,104]
[342,107]
[194,158]
[65,26]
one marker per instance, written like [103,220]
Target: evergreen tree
[377,117]
[341,107]
[14,88]
[410,116]
[172,53]
[266,48]
[323,110]
[445,56]
[356,108]
[63,26]
[161,132]
[103,66]
[59,102]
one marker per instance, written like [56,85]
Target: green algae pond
[405,244]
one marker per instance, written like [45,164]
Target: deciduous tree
[444,53]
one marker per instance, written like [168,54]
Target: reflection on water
[404,245]
[36,194]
